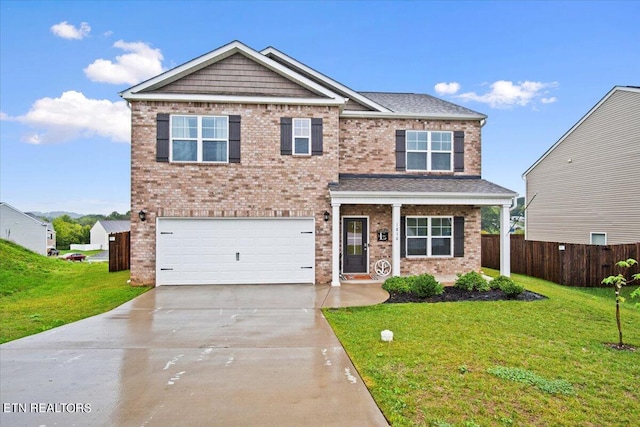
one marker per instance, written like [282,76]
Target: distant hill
[56,214]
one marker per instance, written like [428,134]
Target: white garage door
[235,251]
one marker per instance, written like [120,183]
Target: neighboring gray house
[101,230]
[586,186]
[26,230]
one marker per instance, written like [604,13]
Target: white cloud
[549,100]
[506,94]
[131,68]
[108,33]
[68,31]
[447,88]
[4,116]
[73,116]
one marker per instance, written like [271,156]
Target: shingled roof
[417,184]
[115,226]
[417,103]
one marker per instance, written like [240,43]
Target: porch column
[395,243]
[505,241]
[335,244]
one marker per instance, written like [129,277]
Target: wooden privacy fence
[119,251]
[563,263]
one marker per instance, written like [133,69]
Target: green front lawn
[435,371]
[39,293]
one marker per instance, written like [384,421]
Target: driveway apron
[190,355]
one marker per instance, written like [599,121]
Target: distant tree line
[491,217]
[77,231]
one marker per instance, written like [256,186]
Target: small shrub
[396,285]
[494,284]
[508,286]
[425,285]
[472,281]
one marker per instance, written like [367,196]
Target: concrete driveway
[194,356]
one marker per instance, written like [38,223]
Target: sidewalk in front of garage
[196,356]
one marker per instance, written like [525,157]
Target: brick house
[251,167]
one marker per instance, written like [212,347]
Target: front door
[354,242]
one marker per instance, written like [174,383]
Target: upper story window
[429,151]
[429,236]
[199,139]
[302,137]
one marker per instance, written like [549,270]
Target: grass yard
[39,293]
[548,361]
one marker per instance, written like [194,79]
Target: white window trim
[293,136]
[429,237]
[199,140]
[598,232]
[428,151]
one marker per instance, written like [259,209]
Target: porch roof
[418,189]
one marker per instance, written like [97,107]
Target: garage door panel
[228,251]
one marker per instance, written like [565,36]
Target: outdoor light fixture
[326,215]
[142,215]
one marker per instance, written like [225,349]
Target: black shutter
[234,139]
[458,151]
[458,236]
[286,136]
[401,157]
[403,237]
[162,137]
[316,137]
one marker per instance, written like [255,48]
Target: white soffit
[414,198]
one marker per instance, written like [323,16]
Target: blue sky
[535,68]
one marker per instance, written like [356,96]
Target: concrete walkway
[194,356]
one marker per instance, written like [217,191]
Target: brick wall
[380,217]
[368,145]
[264,184]
[267,184]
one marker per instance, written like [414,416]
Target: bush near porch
[440,369]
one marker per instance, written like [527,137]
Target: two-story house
[251,167]
[584,189]
[26,229]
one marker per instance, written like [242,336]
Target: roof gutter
[226,99]
[383,115]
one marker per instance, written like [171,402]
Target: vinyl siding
[237,75]
[23,230]
[354,106]
[350,105]
[589,182]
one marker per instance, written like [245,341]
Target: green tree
[69,231]
[118,216]
[490,219]
[618,282]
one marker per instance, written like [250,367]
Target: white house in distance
[100,232]
[26,230]
[584,189]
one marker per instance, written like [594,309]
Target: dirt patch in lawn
[452,294]
[623,347]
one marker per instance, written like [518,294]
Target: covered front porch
[416,224]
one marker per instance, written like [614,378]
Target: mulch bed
[452,294]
